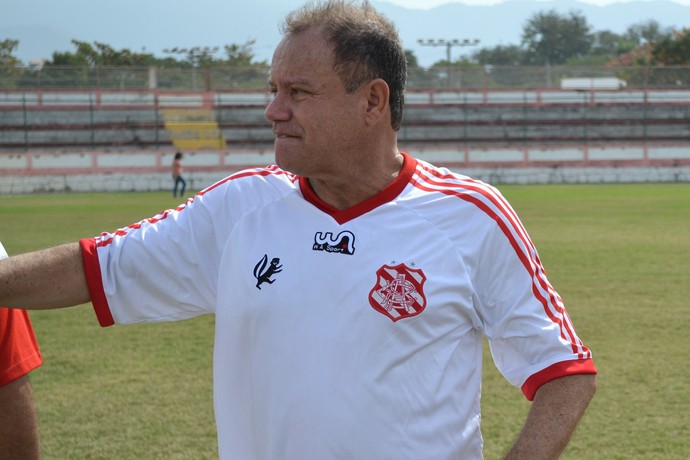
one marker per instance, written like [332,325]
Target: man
[352,284]
[19,354]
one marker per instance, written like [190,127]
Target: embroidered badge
[263,271]
[399,291]
[343,243]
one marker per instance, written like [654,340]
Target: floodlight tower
[450,43]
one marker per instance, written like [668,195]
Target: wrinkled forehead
[304,53]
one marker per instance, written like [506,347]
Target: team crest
[399,291]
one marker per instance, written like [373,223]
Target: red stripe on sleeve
[92,268]
[562,369]
[508,222]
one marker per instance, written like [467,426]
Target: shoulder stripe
[106,238]
[486,198]
[267,171]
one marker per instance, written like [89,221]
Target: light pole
[449,44]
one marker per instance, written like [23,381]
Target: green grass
[619,255]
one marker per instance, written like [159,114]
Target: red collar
[389,193]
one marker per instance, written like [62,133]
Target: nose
[277,110]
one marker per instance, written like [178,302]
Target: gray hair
[366,46]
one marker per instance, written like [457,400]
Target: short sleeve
[19,352]
[164,268]
[531,336]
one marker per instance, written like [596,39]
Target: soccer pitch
[619,255]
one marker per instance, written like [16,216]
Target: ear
[378,95]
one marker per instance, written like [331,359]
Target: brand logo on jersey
[344,243]
[263,271]
[399,291]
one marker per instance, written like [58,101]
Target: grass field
[619,255]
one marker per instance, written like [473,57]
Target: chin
[286,162]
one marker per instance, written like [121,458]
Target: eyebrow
[293,81]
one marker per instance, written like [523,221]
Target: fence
[255,77]
[115,128]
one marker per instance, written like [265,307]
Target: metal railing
[255,77]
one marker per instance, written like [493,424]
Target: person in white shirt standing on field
[352,283]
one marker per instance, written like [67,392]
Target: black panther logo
[263,273]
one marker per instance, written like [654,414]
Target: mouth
[286,136]
[281,133]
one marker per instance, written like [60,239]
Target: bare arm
[18,426]
[51,278]
[556,410]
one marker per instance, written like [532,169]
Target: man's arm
[557,407]
[18,426]
[51,278]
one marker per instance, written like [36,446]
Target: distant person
[177,171]
[19,354]
[352,283]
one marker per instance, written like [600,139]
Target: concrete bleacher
[147,170]
[55,119]
[61,136]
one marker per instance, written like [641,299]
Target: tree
[83,67]
[509,55]
[668,54]
[411,58]
[673,49]
[240,54]
[7,58]
[417,76]
[99,54]
[657,62]
[196,56]
[647,32]
[550,38]
[610,44]
[11,70]
[606,46]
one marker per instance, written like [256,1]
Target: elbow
[592,386]
[584,388]
[585,385]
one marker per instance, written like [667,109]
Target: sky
[43,27]
[425,4]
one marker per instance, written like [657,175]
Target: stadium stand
[72,132]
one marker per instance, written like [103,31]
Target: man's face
[315,121]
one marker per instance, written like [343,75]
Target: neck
[345,191]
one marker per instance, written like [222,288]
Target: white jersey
[352,334]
